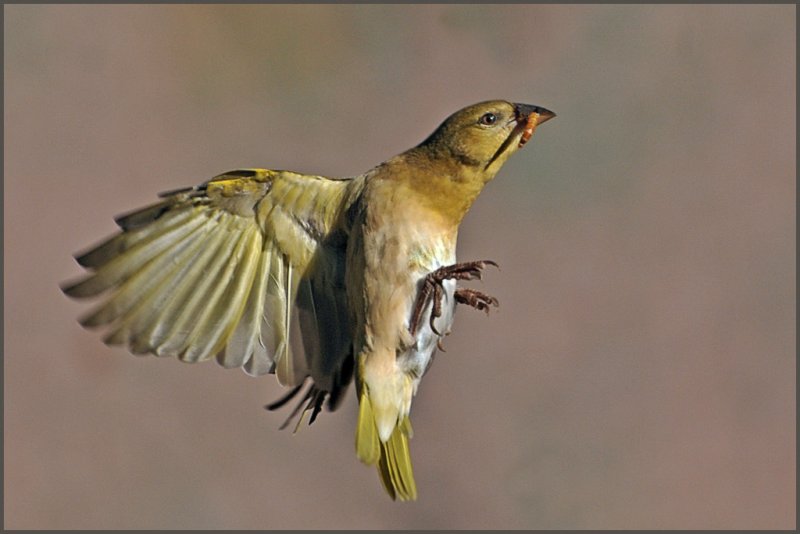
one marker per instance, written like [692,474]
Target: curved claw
[477,299]
[433,329]
[432,288]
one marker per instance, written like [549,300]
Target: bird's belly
[419,355]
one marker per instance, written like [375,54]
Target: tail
[392,457]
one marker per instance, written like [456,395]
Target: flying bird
[364,267]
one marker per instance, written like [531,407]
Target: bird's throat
[448,197]
[447,189]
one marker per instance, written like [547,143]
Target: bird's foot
[432,289]
[477,299]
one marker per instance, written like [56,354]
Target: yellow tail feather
[367,443]
[393,458]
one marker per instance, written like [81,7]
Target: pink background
[640,372]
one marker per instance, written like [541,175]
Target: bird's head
[484,135]
[448,170]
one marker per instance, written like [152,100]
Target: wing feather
[245,348]
[146,281]
[230,303]
[124,265]
[216,270]
[204,311]
[157,329]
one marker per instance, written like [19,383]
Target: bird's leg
[424,293]
[432,288]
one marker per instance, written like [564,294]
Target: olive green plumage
[231,268]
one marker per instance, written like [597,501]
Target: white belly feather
[419,356]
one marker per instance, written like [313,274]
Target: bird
[317,280]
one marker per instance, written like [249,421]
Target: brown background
[640,372]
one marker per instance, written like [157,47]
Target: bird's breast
[402,243]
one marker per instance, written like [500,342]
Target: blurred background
[640,372]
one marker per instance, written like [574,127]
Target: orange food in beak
[530,126]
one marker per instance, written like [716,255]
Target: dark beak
[528,117]
[524,111]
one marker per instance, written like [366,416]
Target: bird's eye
[487,119]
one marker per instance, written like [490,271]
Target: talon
[439,345]
[436,310]
[433,328]
[419,306]
[477,299]
[432,289]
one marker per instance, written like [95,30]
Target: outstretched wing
[214,270]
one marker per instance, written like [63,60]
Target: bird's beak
[524,112]
[529,117]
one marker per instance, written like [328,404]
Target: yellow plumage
[392,457]
[363,266]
